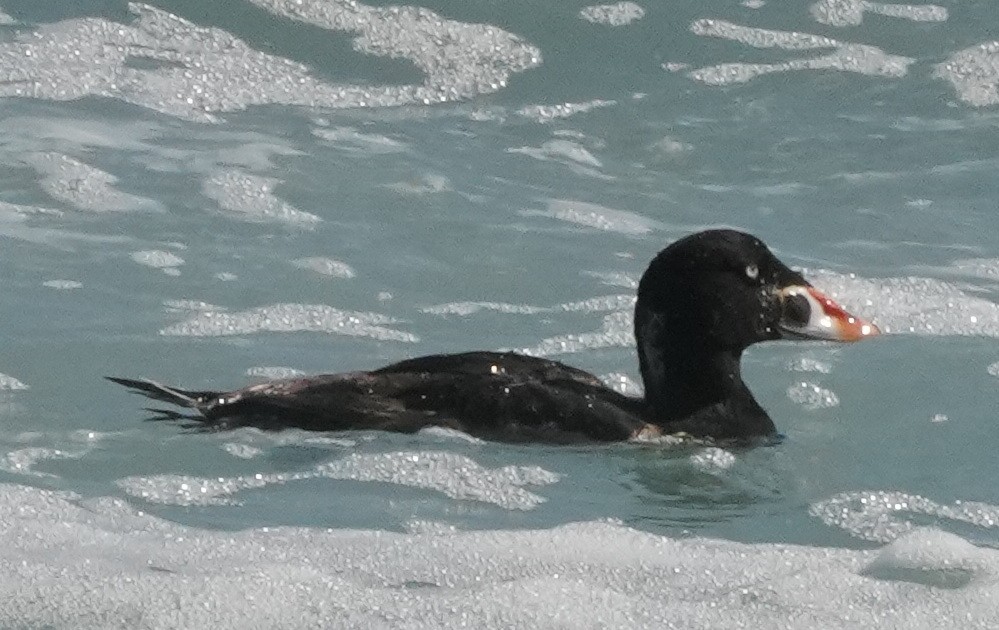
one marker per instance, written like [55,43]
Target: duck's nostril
[796,310]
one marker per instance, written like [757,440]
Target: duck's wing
[501,396]
[519,366]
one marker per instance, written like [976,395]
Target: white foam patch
[548,113]
[242,451]
[488,114]
[993,369]
[713,460]
[469,308]
[572,154]
[459,60]
[618,14]
[615,332]
[620,382]
[811,396]
[846,57]
[274,373]
[930,557]
[599,304]
[251,198]
[9,383]
[881,516]
[438,528]
[73,563]
[290,318]
[453,475]
[166,63]
[595,216]
[185,306]
[81,185]
[347,138]
[63,285]
[809,364]
[157,259]
[196,491]
[560,150]
[614,279]
[326,267]
[451,435]
[265,440]
[760,38]
[22,461]
[851,12]
[670,148]
[974,73]
[427,184]
[923,306]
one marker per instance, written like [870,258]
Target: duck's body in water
[702,301]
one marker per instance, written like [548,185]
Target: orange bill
[807,313]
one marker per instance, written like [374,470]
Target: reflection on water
[690,487]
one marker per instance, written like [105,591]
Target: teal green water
[201,193]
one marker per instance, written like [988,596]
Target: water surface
[208,195]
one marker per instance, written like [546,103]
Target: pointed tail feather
[163,393]
[191,422]
[160,413]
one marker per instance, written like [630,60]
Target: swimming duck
[702,301]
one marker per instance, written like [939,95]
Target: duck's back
[503,396]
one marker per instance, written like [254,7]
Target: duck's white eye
[752,272]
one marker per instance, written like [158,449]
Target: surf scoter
[702,301]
